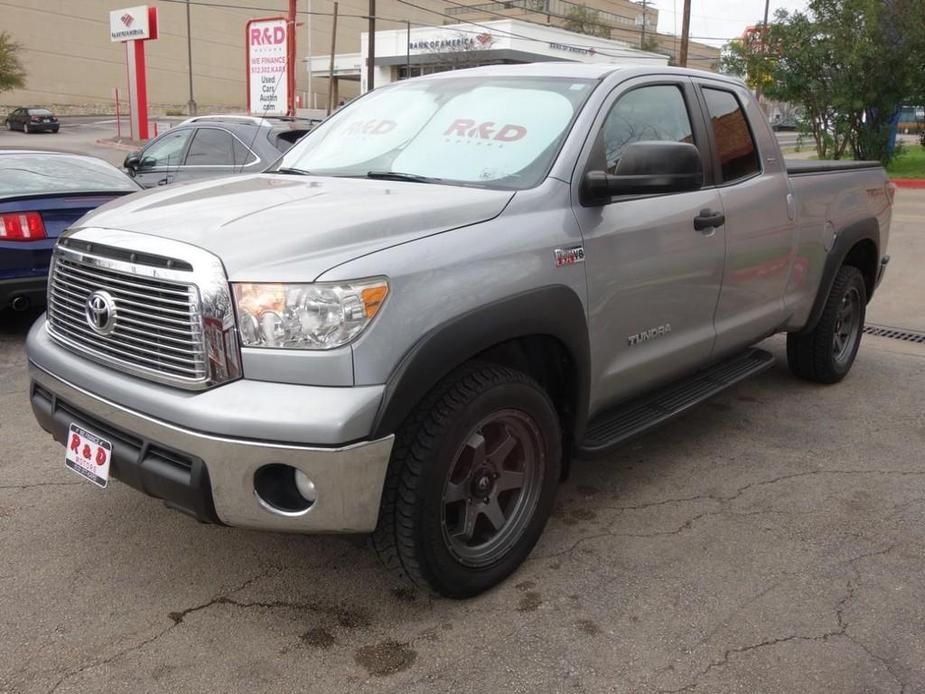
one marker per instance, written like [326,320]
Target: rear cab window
[735,144]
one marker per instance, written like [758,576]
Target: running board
[610,429]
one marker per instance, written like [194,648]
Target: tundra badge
[650,334]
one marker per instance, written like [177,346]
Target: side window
[648,113]
[166,151]
[211,147]
[242,155]
[738,155]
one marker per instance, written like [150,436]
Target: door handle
[708,219]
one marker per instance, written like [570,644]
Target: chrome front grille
[164,319]
[154,320]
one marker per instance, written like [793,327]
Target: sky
[722,19]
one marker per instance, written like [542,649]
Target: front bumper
[212,476]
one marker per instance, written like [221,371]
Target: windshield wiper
[294,172]
[399,176]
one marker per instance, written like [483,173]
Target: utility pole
[189,62]
[290,57]
[642,41]
[762,37]
[371,49]
[408,52]
[331,68]
[685,33]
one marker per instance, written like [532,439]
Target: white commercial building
[403,53]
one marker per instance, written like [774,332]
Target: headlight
[306,316]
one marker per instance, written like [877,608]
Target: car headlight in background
[306,316]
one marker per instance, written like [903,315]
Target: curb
[908,182]
[119,145]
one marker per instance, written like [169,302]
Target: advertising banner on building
[267,66]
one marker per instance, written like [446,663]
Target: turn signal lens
[21,226]
[306,316]
[373,298]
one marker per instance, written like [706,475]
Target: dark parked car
[785,124]
[41,194]
[214,146]
[32,120]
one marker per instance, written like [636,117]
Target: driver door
[653,279]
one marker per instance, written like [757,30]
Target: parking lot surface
[771,540]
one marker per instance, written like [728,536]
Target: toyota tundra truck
[411,323]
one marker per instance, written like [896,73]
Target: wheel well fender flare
[555,311]
[849,237]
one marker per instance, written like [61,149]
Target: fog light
[284,490]
[305,486]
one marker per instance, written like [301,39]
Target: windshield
[31,174]
[500,132]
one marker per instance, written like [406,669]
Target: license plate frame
[88,454]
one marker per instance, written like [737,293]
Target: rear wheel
[471,482]
[826,353]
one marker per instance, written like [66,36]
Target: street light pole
[309,22]
[189,61]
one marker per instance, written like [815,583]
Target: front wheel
[471,482]
[826,353]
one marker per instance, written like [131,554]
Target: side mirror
[646,168]
[132,162]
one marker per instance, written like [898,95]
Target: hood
[283,228]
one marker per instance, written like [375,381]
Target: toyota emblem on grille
[100,311]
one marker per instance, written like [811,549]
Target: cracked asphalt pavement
[770,540]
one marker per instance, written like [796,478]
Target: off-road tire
[812,355]
[410,538]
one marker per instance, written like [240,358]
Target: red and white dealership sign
[268,79]
[133,26]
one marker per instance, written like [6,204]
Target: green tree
[12,74]
[584,20]
[650,43]
[848,63]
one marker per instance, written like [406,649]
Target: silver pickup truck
[413,321]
